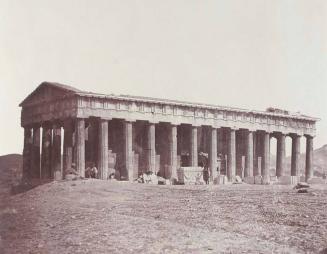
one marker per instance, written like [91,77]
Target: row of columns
[50,158]
[51,150]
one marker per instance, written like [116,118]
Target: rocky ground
[93,216]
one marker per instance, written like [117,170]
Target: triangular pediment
[48,91]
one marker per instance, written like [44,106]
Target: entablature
[89,106]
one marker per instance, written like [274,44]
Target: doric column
[231,158]
[194,146]
[266,157]
[249,154]
[173,151]
[56,152]
[68,145]
[103,149]
[152,147]
[255,154]
[128,149]
[213,153]
[93,144]
[280,160]
[309,158]
[27,152]
[80,146]
[295,154]
[36,152]
[46,151]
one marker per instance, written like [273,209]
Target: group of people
[91,171]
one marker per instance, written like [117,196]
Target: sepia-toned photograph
[163,126]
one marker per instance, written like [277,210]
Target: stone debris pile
[302,187]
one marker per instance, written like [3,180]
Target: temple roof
[57,86]
[69,90]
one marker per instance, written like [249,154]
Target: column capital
[250,130]
[229,128]
[105,118]
[129,120]
[309,136]
[153,122]
[264,131]
[174,124]
[294,135]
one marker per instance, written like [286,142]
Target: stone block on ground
[150,178]
[190,175]
[237,180]
[265,180]
[163,181]
[284,180]
[249,179]
[258,180]
[57,176]
[219,179]
[303,190]
[111,173]
[273,179]
[302,185]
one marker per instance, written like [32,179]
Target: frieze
[151,111]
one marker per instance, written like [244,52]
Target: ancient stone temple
[63,125]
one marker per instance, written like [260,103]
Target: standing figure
[206,174]
[204,161]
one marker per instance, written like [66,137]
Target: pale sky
[244,53]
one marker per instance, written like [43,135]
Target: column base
[221,179]
[257,179]
[266,180]
[57,176]
[249,179]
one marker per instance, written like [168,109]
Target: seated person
[72,170]
[94,171]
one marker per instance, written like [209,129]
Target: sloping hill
[319,161]
[10,170]
[95,216]
[11,161]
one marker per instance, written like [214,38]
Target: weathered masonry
[153,134]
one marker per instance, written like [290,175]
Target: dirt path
[114,217]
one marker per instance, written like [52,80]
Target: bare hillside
[319,162]
[93,216]
[10,171]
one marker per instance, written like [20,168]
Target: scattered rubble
[303,190]
[301,185]
[237,180]
[109,217]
